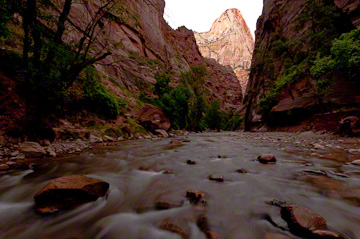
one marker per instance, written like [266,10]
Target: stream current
[234,208]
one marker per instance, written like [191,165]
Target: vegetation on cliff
[300,56]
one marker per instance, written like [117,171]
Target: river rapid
[313,172]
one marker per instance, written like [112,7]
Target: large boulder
[152,118]
[302,220]
[68,191]
[350,126]
[32,150]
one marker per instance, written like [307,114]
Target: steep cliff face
[229,42]
[142,45]
[281,90]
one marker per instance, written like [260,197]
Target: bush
[213,116]
[344,58]
[101,102]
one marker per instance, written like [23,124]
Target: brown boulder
[350,126]
[162,133]
[68,191]
[324,234]
[267,158]
[32,150]
[302,220]
[152,118]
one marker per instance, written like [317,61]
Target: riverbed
[313,171]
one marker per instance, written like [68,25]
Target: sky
[198,15]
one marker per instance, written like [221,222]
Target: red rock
[152,118]
[3,167]
[324,234]
[69,191]
[302,220]
[229,42]
[32,150]
[267,158]
[195,196]
[171,227]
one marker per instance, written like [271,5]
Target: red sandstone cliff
[229,42]
[296,101]
[142,45]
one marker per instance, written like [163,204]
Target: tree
[51,66]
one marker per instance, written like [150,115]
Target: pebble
[267,158]
[318,146]
[217,178]
[241,170]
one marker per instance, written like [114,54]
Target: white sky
[198,15]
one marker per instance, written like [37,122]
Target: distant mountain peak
[230,42]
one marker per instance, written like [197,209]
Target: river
[234,208]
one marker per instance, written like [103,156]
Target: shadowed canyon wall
[281,90]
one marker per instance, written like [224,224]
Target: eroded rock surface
[69,191]
[229,42]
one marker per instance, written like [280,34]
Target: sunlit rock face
[142,46]
[229,42]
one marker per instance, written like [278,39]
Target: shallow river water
[235,209]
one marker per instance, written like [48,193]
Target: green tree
[213,116]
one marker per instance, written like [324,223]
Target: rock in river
[32,150]
[68,191]
[356,162]
[267,158]
[302,220]
[324,234]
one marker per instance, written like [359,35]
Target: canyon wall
[229,42]
[284,51]
[143,45]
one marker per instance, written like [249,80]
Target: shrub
[101,102]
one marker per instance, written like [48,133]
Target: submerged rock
[32,150]
[241,170]
[324,234]
[68,191]
[267,158]
[191,162]
[195,196]
[175,142]
[171,227]
[217,178]
[302,220]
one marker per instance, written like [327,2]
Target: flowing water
[234,208]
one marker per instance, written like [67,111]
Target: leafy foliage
[326,23]
[100,100]
[344,58]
